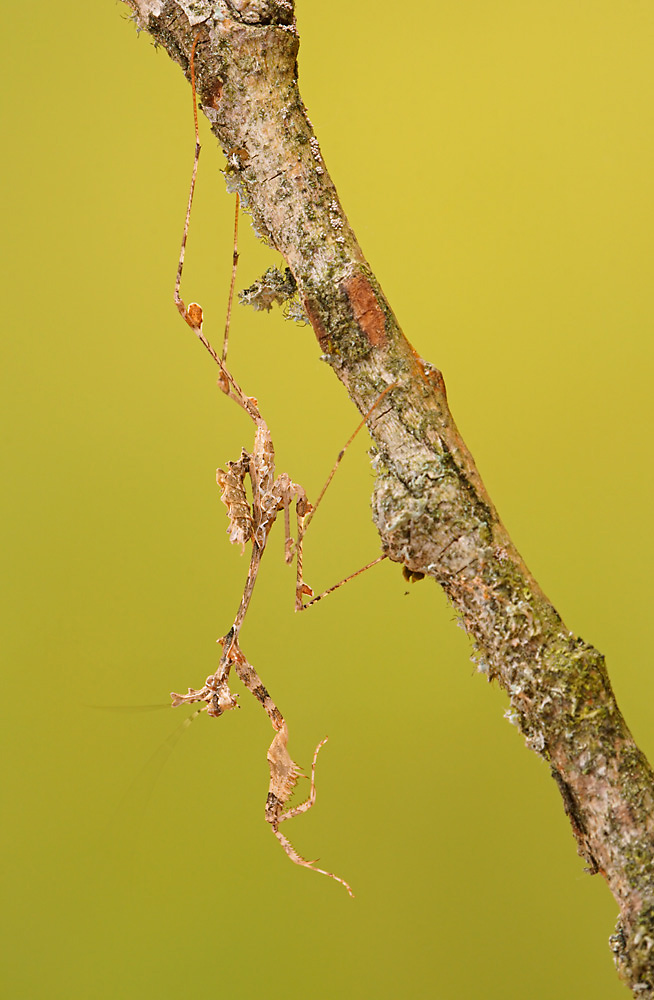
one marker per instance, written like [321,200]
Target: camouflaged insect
[252,523]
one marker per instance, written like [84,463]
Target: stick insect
[252,523]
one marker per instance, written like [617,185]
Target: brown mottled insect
[252,523]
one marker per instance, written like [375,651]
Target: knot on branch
[263,12]
[427,521]
[633,952]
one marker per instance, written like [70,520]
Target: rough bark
[429,504]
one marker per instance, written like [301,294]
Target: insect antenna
[143,784]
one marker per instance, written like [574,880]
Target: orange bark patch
[366,309]
[316,323]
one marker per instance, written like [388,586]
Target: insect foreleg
[305,806]
[302,589]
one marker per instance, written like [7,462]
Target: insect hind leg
[311,865]
[283,776]
[305,806]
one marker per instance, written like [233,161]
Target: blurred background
[496,161]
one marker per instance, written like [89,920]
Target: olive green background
[496,160]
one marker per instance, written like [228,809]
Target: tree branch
[430,506]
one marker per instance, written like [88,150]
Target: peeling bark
[430,506]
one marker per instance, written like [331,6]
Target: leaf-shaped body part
[284,772]
[232,488]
